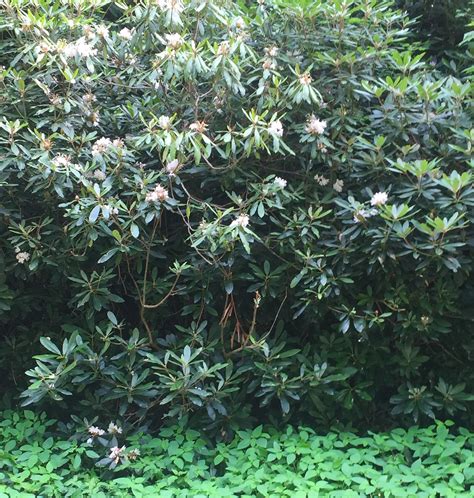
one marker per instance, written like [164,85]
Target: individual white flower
[174,40]
[172,166]
[125,34]
[62,160]
[101,146]
[362,214]
[223,48]
[70,50]
[95,431]
[305,79]
[198,126]
[171,5]
[43,49]
[102,31]
[276,128]
[315,126]
[88,32]
[239,23]
[280,182]
[133,455]
[379,199]
[88,98]
[99,175]
[118,143]
[164,122]
[115,210]
[241,221]
[116,453]
[268,64]
[338,185]
[84,49]
[114,429]
[159,194]
[22,257]
[322,180]
[271,51]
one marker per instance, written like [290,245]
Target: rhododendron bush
[233,213]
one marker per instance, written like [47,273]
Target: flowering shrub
[212,211]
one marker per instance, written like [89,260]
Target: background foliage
[441,23]
[234,214]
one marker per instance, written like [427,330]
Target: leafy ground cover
[38,458]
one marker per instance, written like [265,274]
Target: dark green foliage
[441,23]
[180,462]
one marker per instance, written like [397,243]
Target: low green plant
[39,458]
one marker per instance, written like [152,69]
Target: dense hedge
[233,214]
[37,461]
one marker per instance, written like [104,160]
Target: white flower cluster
[116,453]
[361,215]
[102,31]
[379,199]
[305,79]
[338,185]
[198,126]
[80,48]
[158,194]
[241,221]
[322,180]
[95,431]
[21,256]
[104,144]
[223,48]
[280,182]
[62,160]
[114,429]
[125,34]
[88,98]
[315,126]
[164,122]
[99,175]
[239,23]
[271,51]
[269,61]
[275,128]
[174,40]
[133,455]
[101,146]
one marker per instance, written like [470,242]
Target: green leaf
[50,346]
[94,214]
[134,230]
